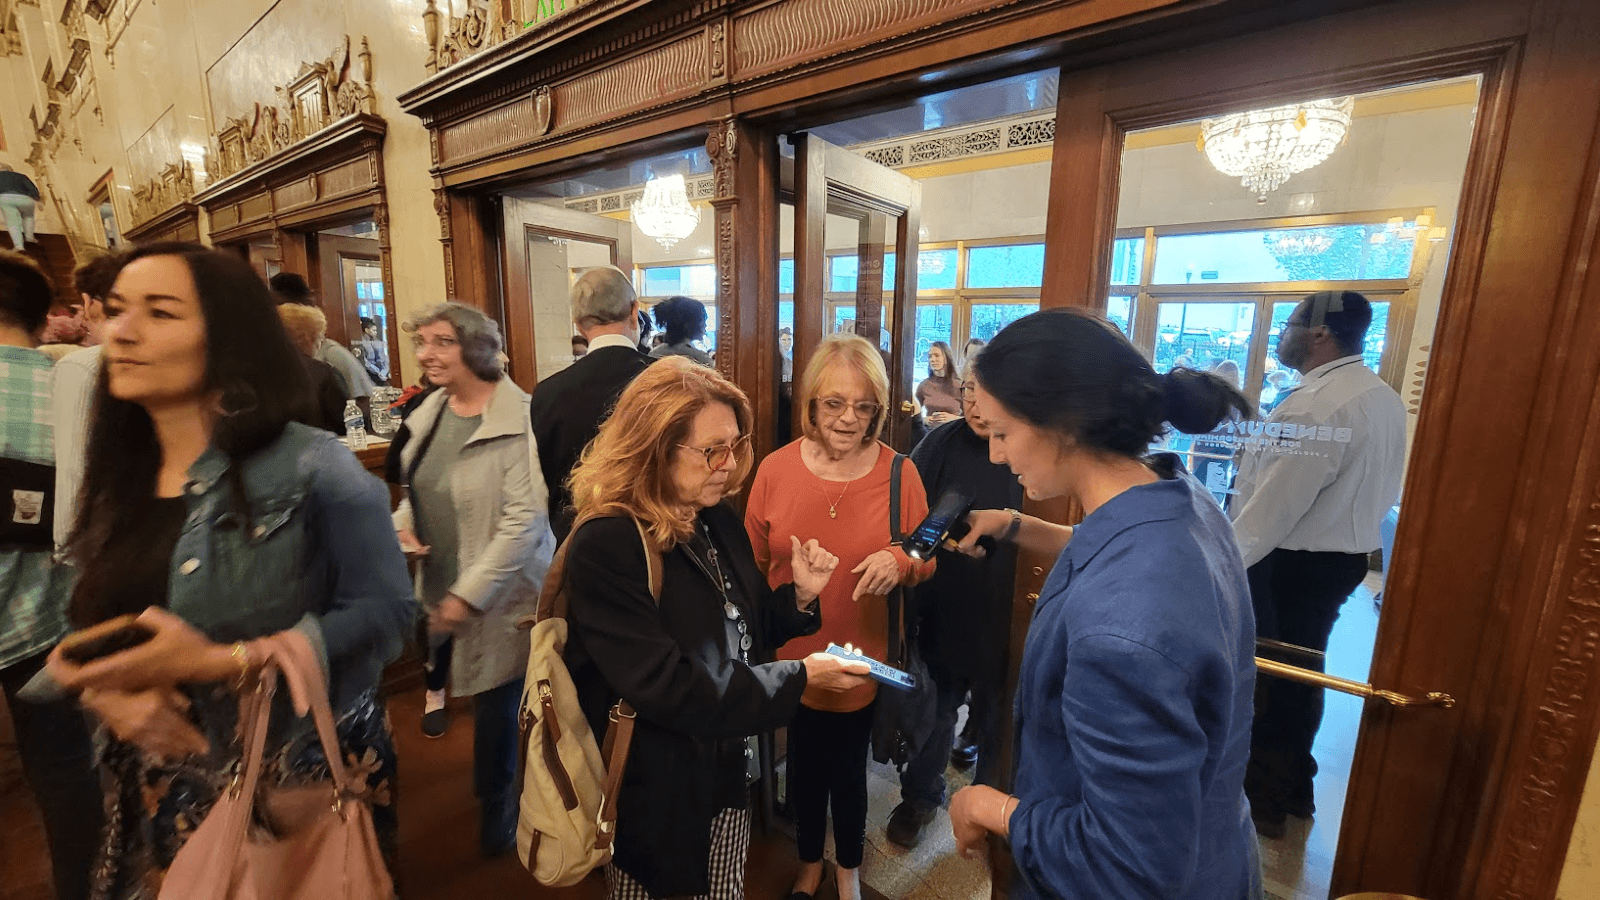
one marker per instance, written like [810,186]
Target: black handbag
[27,505]
[902,722]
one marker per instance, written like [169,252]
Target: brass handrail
[1346,686]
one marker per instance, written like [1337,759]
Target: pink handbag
[297,843]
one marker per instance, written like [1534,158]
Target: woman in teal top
[1134,701]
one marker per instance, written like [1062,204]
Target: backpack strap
[619,734]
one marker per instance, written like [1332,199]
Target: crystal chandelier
[664,212]
[1263,147]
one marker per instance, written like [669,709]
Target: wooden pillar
[745,161]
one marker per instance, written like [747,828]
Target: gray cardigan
[503,524]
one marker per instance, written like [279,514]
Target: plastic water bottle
[355,426]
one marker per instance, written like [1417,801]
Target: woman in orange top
[833,485]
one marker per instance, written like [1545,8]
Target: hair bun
[1196,402]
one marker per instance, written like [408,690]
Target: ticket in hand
[881,673]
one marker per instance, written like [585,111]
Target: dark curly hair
[683,319]
[1075,374]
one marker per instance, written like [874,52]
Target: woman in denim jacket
[215,519]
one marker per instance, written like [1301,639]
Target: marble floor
[1299,866]
[439,827]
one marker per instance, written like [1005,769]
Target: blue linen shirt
[1134,705]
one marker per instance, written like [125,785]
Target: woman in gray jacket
[476,515]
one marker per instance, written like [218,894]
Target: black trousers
[1297,595]
[53,741]
[828,762]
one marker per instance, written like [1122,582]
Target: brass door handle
[907,407]
[1346,686]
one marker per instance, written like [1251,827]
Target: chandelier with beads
[1264,147]
[664,211]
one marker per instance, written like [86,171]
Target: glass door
[1206,272]
[545,246]
[836,189]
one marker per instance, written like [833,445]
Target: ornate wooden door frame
[1495,596]
[334,176]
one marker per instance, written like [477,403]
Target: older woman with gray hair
[476,514]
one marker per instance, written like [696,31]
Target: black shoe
[964,756]
[907,823]
[434,724]
[828,877]
[497,826]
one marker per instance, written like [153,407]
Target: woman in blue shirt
[1134,700]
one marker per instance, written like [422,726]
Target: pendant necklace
[833,505]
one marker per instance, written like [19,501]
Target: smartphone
[115,636]
[946,521]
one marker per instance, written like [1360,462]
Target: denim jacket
[316,552]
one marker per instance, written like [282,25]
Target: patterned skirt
[152,807]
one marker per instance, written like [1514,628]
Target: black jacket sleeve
[677,679]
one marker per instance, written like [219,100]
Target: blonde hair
[627,469]
[307,326]
[844,352]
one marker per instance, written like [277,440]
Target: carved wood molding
[722,146]
[180,223]
[494,50]
[783,35]
[325,92]
[660,76]
[599,70]
[174,185]
[338,169]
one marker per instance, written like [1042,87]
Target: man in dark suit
[568,407]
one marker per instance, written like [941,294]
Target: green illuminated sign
[545,10]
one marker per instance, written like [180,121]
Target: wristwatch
[1014,527]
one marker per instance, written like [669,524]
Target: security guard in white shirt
[1314,484]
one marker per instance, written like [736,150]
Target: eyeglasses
[719,455]
[835,406]
[444,343]
[967,390]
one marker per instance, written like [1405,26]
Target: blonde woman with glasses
[697,665]
[833,485]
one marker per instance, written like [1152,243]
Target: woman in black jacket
[697,667]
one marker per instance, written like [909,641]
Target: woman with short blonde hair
[696,663]
[841,353]
[307,326]
[834,484]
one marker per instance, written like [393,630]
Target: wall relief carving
[174,185]
[323,93]
[482,24]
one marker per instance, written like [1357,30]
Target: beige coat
[503,527]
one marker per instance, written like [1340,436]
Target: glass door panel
[1203,335]
[1383,200]
[988,318]
[934,323]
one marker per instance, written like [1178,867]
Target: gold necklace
[833,505]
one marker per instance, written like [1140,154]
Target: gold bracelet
[1005,824]
[241,653]
[1014,527]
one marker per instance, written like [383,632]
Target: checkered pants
[730,842]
